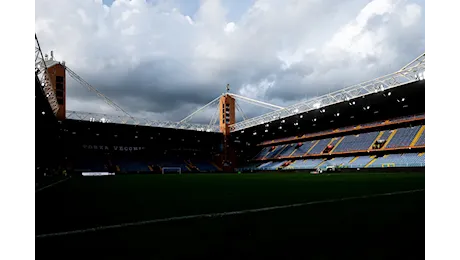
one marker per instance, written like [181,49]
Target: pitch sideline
[221,214]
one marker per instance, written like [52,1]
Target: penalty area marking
[221,214]
[52,184]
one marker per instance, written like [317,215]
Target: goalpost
[169,170]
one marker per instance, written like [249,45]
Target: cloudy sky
[162,59]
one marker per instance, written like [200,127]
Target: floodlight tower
[227,117]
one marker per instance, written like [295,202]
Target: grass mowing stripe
[222,214]
[52,184]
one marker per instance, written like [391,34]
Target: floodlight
[301,116]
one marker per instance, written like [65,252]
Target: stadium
[339,175]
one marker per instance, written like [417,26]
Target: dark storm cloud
[156,62]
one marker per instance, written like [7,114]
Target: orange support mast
[226,118]
[57,73]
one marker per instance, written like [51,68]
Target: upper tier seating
[385,135]
[275,151]
[403,137]
[320,146]
[262,153]
[346,128]
[304,148]
[421,140]
[289,148]
[357,142]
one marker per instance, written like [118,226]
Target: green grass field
[380,227]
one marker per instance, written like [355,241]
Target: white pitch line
[52,184]
[213,215]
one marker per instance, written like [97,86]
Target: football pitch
[234,216]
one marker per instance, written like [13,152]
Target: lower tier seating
[399,160]
[119,163]
[390,160]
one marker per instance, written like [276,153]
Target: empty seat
[304,148]
[421,140]
[403,137]
[288,150]
[357,142]
[360,162]
[305,164]
[399,160]
[320,146]
[275,151]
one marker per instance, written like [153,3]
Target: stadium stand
[290,148]
[400,160]
[306,164]
[129,163]
[101,147]
[306,146]
[262,153]
[338,145]
[359,162]
[421,140]
[204,166]
[270,166]
[357,142]
[274,152]
[250,166]
[386,134]
[90,165]
[379,137]
[340,161]
[320,146]
[403,137]
[132,166]
[370,125]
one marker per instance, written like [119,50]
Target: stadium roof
[412,72]
[118,119]
[407,100]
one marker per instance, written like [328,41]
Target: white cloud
[412,15]
[230,27]
[258,90]
[278,51]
